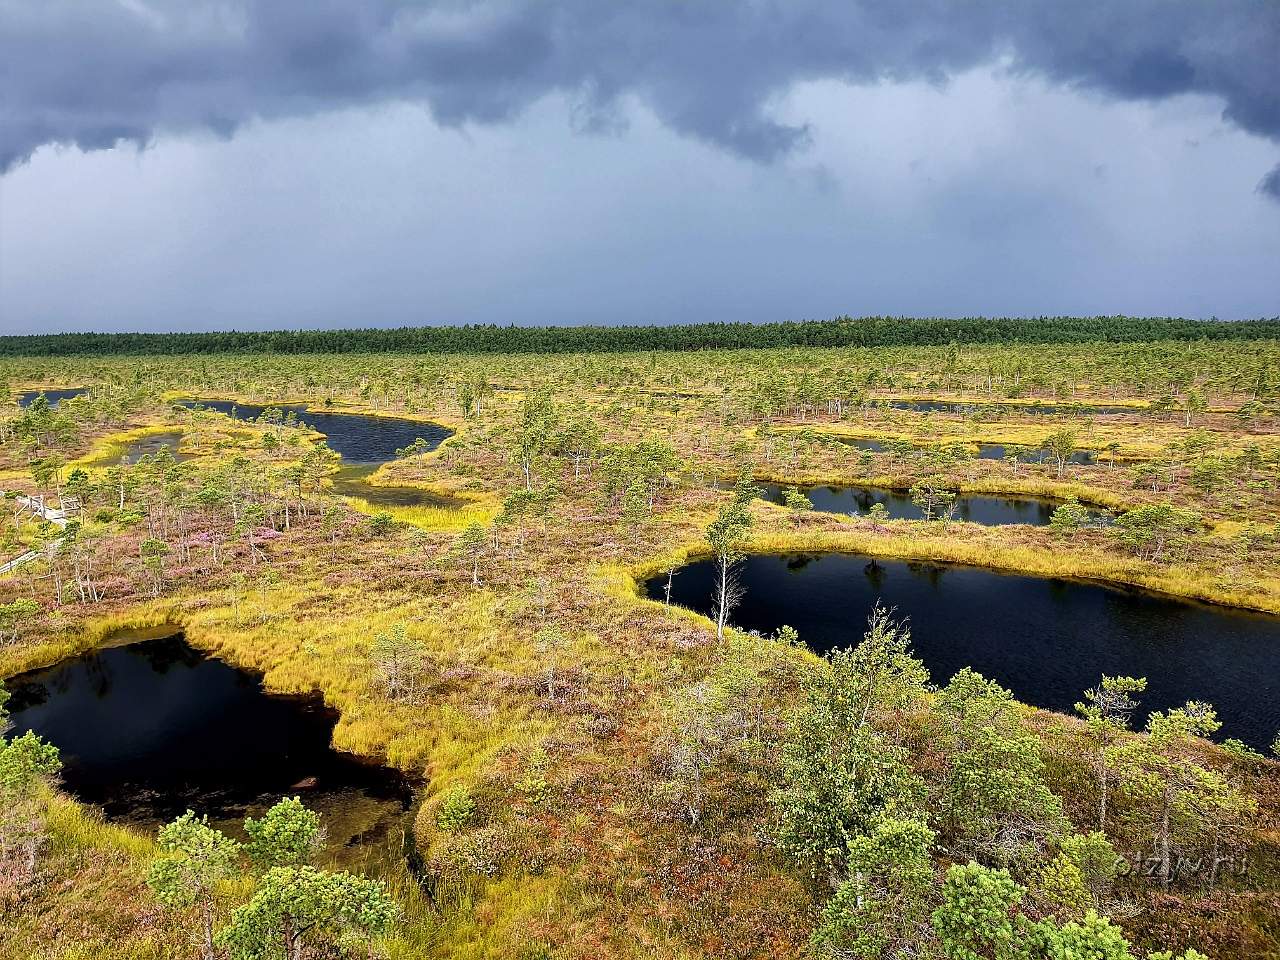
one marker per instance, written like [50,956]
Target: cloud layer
[95,73]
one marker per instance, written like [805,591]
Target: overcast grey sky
[192,164]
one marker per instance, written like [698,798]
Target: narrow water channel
[985,451]
[353,481]
[150,728]
[1046,640]
[973,508]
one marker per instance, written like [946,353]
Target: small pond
[975,508]
[53,396]
[363,441]
[997,451]
[359,438]
[151,727]
[1046,640]
[353,481]
[152,444]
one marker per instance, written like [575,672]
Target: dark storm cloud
[1270,185]
[97,72]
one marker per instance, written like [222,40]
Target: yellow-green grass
[1131,446]
[309,625]
[429,516]
[1131,441]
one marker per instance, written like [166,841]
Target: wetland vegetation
[773,651]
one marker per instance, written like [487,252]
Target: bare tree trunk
[208,930]
[1102,788]
[722,598]
[1165,865]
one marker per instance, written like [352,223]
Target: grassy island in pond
[467,550]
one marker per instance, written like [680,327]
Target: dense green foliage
[297,907]
[294,905]
[839,332]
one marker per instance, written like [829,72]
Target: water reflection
[1047,640]
[974,508]
[353,481]
[985,451]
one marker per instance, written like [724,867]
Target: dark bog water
[986,451]
[149,729]
[152,444]
[353,481]
[359,438]
[997,451]
[989,511]
[859,443]
[53,396]
[1031,406]
[364,443]
[1047,640]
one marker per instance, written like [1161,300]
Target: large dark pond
[986,510]
[153,727]
[1047,640]
[359,438]
[53,396]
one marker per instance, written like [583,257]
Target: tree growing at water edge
[1061,447]
[1106,710]
[296,907]
[287,835]
[194,860]
[727,534]
[28,766]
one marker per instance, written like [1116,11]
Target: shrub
[456,811]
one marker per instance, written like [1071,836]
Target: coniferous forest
[840,332]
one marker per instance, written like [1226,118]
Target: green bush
[456,811]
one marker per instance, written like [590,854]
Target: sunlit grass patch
[430,516]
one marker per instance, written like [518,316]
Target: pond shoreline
[775,543]
[1030,632]
[340,782]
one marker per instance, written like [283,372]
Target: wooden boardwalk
[37,507]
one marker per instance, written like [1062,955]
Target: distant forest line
[839,332]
